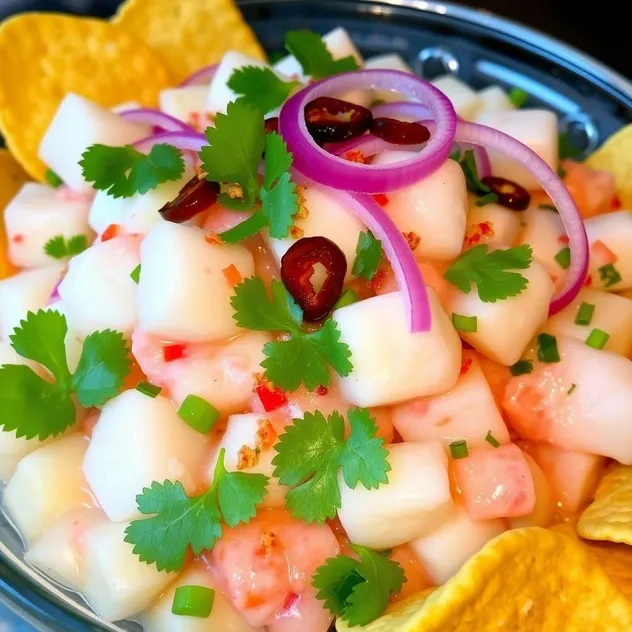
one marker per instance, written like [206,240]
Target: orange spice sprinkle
[296,232]
[232,275]
[247,458]
[266,434]
[355,156]
[413,239]
[269,541]
[377,280]
[303,212]
[213,239]
[235,192]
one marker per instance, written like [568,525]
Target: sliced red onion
[54,295]
[200,77]
[155,118]
[333,171]
[556,190]
[402,110]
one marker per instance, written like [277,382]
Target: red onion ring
[402,110]
[155,118]
[200,77]
[555,189]
[329,170]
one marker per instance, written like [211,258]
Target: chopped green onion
[198,413]
[597,339]
[458,449]
[465,323]
[488,198]
[571,389]
[521,367]
[148,389]
[609,275]
[584,314]
[492,440]
[518,97]
[547,349]
[193,601]
[563,257]
[135,274]
[348,297]
[548,207]
[53,179]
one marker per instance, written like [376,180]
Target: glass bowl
[592,102]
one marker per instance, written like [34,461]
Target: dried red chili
[399,132]
[332,120]
[196,196]
[509,193]
[297,268]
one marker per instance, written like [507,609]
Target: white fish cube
[504,328]
[117,584]
[46,484]
[187,104]
[106,210]
[416,499]
[435,208]
[37,214]
[390,364]
[494,99]
[464,99]
[503,224]
[612,314]
[183,292]
[543,513]
[59,551]
[26,291]
[326,218]
[535,128]
[137,440]
[98,292]
[223,617]
[613,230]
[444,551]
[78,124]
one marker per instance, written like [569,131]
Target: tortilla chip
[527,580]
[609,517]
[189,34]
[615,155]
[12,177]
[45,56]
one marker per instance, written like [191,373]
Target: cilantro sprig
[467,162]
[125,171]
[232,157]
[368,255]
[357,591]
[33,406]
[302,358]
[261,88]
[59,247]
[312,450]
[179,522]
[491,271]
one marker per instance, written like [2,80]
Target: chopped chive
[547,349]
[597,339]
[458,449]
[584,314]
[148,389]
[571,389]
[53,179]
[198,413]
[522,367]
[609,275]
[465,323]
[348,297]
[518,97]
[548,207]
[492,440]
[193,601]
[488,198]
[135,274]
[563,257]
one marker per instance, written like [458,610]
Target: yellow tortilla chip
[12,177]
[615,155]
[525,580]
[609,517]
[189,34]
[45,56]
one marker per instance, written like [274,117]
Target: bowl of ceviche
[313,316]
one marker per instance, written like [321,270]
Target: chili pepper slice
[332,120]
[196,196]
[509,193]
[399,132]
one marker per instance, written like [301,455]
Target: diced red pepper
[563,239]
[173,352]
[321,390]
[271,397]
[465,365]
[588,281]
[381,199]
[110,232]
[232,275]
[615,203]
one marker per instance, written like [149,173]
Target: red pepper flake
[290,601]
[266,434]
[232,275]
[321,390]
[563,239]
[213,239]
[355,156]
[480,230]
[247,458]
[110,232]
[381,199]
[271,397]
[465,365]
[376,282]
[588,281]
[173,352]
[413,239]
[18,238]
[615,203]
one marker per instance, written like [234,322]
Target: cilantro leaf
[52,179]
[103,364]
[312,450]
[260,88]
[180,522]
[467,162]
[357,591]
[489,271]
[326,341]
[59,247]
[125,171]
[278,159]
[368,256]
[279,205]
[76,245]
[314,56]
[248,228]
[236,145]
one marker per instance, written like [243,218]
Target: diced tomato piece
[173,352]
[233,275]
[110,232]
[592,190]
[271,397]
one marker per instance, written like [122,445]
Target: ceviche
[293,347]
